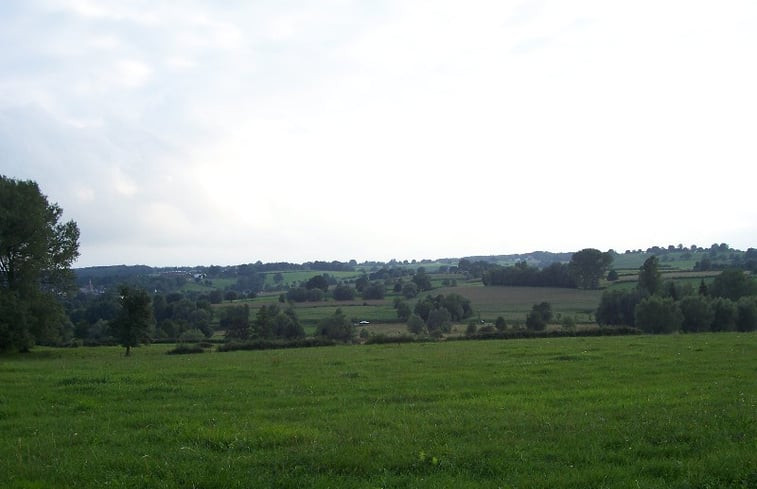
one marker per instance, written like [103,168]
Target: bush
[185,349]
[275,344]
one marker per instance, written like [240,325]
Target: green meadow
[676,411]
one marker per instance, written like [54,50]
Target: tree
[36,254]
[539,316]
[343,293]
[286,325]
[657,315]
[588,266]
[374,291]
[732,284]
[725,314]
[336,327]
[134,321]
[403,311]
[697,313]
[317,282]
[650,279]
[421,279]
[416,325]
[617,307]
[410,290]
[747,314]
[500,323]
[236,322]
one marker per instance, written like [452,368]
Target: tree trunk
[128,350]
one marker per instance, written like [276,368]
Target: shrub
[185,349]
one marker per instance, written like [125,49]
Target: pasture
[674,411]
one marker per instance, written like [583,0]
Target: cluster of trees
[585,269]
[371,286]
[434,315]
[271,322]
[554,275]
[729,303]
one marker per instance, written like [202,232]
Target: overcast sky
[203,132]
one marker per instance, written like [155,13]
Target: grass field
[675,411]
[513,303]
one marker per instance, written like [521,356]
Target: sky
[202,132]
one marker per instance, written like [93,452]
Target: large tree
[134,321]
[588,266]
[650,278]
[36,254]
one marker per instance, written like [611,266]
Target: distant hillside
[535,258]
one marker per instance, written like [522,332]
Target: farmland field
[515,302]
[651,412]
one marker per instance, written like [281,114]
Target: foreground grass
[650,412]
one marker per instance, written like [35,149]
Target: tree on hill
[236,322]
[732,284]
[317,282]
[650,279]
[588,266]
[134,321]
[36,253]
[343,293]
[421,279]
[336,327]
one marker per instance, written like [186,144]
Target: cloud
[371,131]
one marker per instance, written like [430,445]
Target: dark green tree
[374,291]
[540,315]
[697,313]
[409,290]
[732,284]
[500,323]
[650,279]
[403,311]
[236,322]
[36,254]
[617,307]
[747,314]
[725,314]
[416,325]
[343,293]
[588,266]
[421,279]
[657,315]
[134,321]
[336,327]
[317,282]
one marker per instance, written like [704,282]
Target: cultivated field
[513,303]
[674,411]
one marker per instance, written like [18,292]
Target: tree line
[729,303]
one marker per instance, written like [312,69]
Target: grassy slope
[650,412]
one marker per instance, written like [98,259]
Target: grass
[516,302]
[674,411]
